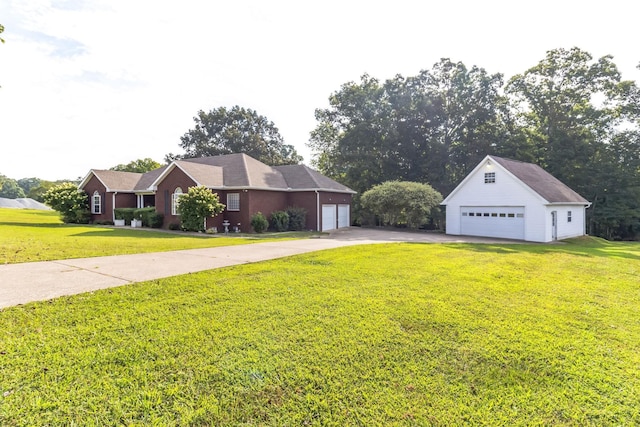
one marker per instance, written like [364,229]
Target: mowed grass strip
[395,334]
[33,235]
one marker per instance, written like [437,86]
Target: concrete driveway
[40,281]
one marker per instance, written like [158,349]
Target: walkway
[40,281]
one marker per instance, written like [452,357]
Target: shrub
[70,202]
[258,222]
[196,206]
[125,213]
[155,219]
[174,226]
[297,218]
[401,203]
[280,220]
[144,214]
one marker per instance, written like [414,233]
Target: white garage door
[328,217]
[343,216]
[490,221]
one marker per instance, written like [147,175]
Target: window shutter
[167,202]
[103,200]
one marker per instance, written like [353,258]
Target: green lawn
[394,334]
[32,235]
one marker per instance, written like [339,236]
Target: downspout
[113,206]
[317,210]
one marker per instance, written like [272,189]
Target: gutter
[317,210]
[113,206]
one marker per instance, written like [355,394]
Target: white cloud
[90,84]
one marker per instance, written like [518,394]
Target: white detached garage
[514,200]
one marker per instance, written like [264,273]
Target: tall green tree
[9,189]
[236,130]
[571,108]
[139,166]
[433,127]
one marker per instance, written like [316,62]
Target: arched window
[96,203]
[175,200]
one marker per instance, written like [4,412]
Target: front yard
[395,334]
[31,235]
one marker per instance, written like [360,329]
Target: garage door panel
[343,216]
[328,217]
[490,221]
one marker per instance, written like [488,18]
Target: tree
[433,127]
[10,189]
[139,166]
[70,202]
[572,109]
[1,31]
[196,206]
[238,130]
[401,202]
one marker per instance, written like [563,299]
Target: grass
[394,334]
[32,235]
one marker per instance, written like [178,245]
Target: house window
[96,203]
[569,216]
[175,201]
[489,177]
[233,201]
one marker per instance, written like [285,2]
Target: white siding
[565,228]
[505,191]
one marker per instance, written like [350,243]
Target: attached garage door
[328,217]
[505,222]
[343,216]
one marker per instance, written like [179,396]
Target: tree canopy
[571,114]
[236,130]
[10,189]
[139,166]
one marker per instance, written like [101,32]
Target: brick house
[244,184]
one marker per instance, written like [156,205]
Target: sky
[90,84]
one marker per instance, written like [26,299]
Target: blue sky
[94,83]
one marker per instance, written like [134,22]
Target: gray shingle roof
[232,170]
[118,181]
[541,181]
[300,177]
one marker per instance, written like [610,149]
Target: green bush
[125,213]
[156,220]
[297,218]
[280,220]
[174,226]
[70,202]
[197,205]
[258,222]
[144,214]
